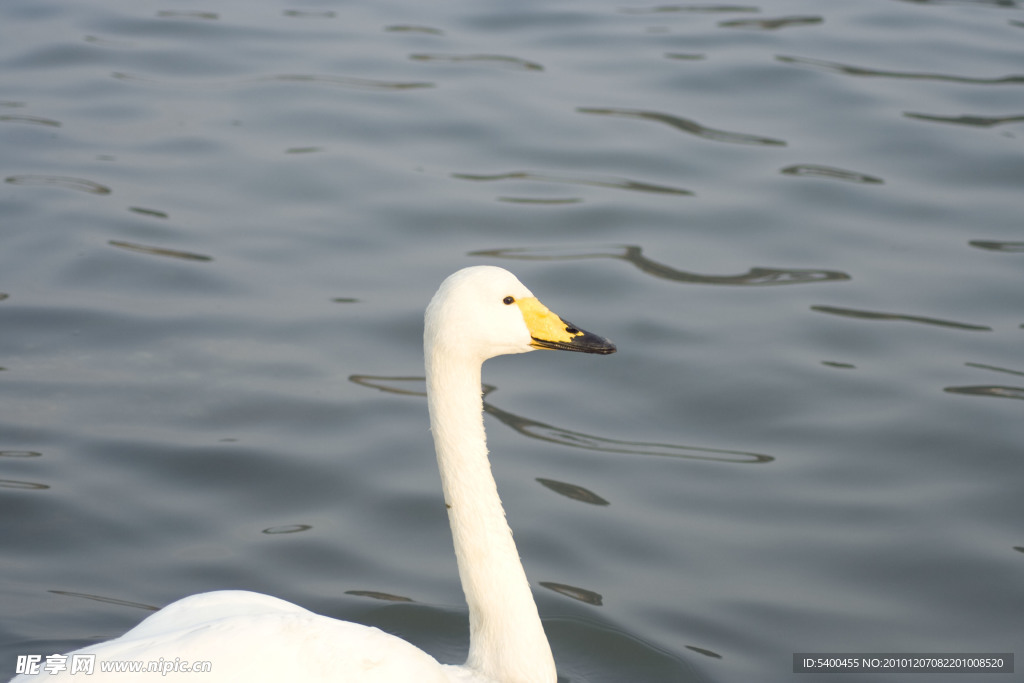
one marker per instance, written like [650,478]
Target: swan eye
[508,300]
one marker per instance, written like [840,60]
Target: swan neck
[507,640]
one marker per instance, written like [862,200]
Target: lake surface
[802,223]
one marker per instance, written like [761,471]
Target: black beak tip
[583,342]
[592,343]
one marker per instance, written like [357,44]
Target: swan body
[477,313]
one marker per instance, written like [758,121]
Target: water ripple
[773,24]
[994,368]
[26,485]
[34,120]
[152,213]
[497,60]
[973,3]
[687,126]
[686,56]
[185,14]
[616,183]
[634,254]
[874,315]
[967,119]
[992,245]
[566,437]
[549,201]
[704,651]
[287,529]
[107,600]
[20,454]
[80,184]
[849,70]
[988,390]
[576,593]
[414,28]
[378,595]
[573,491]
[665,9]
[819,171]
[336,81]
[160,251]
[308,14]
[347,82]
[106,42]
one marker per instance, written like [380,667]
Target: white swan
[477,313]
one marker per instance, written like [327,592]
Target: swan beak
[548,331]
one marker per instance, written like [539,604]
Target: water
[800,222]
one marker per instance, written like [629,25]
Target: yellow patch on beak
[544,325]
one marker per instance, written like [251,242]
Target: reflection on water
[573,491]
[818,171]
[994,368]
[988,390]
[990,3]
[14,484]
[28,485]
[110,601]
[287,529]
[998,246]
[339,81]
[592,181]
[634,254]
[410,28]
[574,592]
[662,9]
[35,120]
[687,126]
[773,24]
[378,595]
[159,251]
[498,60]
[874,315]
[685,56]
[540,201]
[179,14]
[80,184]
[861,71]
[967,120]
[566,437]
[152,213]
[704,651]
[991,390]
[96,40]
[308,14]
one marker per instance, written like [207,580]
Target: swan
[477,313]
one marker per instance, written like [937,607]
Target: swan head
[485,311]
